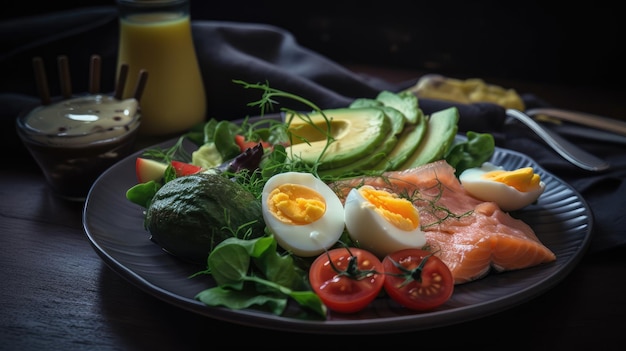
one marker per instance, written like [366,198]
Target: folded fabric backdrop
[258,53]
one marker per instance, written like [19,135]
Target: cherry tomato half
[417,279]
[244,144]
[353,280]
[183,169]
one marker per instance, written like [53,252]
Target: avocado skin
[188,215]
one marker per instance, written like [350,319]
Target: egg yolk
[523,179]
[397,211]
[296,204]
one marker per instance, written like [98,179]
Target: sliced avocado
[357,132]
[397,118]
[408,141]
[439,137]
[365,164]
[405,102]
[366,102]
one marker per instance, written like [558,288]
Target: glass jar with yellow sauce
[156,36]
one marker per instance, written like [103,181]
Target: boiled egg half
[304,213]
[382,222]
[511,190]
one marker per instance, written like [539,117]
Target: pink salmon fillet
[471,236]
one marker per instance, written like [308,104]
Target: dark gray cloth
[258,53]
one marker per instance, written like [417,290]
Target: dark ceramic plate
[561,218]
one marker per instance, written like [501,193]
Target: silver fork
[567,150]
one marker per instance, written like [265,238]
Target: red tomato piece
[353,280]
[244,144]
[183,168]
[417,279]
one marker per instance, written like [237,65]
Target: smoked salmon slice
[471,236]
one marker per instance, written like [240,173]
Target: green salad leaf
[473,152]
[251,272]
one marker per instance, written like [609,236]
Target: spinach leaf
[234,263]
[224,139]
[478,148]
[142,193]
[240,299]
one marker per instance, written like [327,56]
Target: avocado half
[190,215]
[355,134]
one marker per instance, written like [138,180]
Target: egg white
[310,239]
[507,197]
[373,232]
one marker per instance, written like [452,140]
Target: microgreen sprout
[267,102]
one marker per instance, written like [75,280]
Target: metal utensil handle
[567,150]
[595,121]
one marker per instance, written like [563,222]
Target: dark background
[523,40]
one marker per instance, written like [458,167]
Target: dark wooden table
[57,294]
